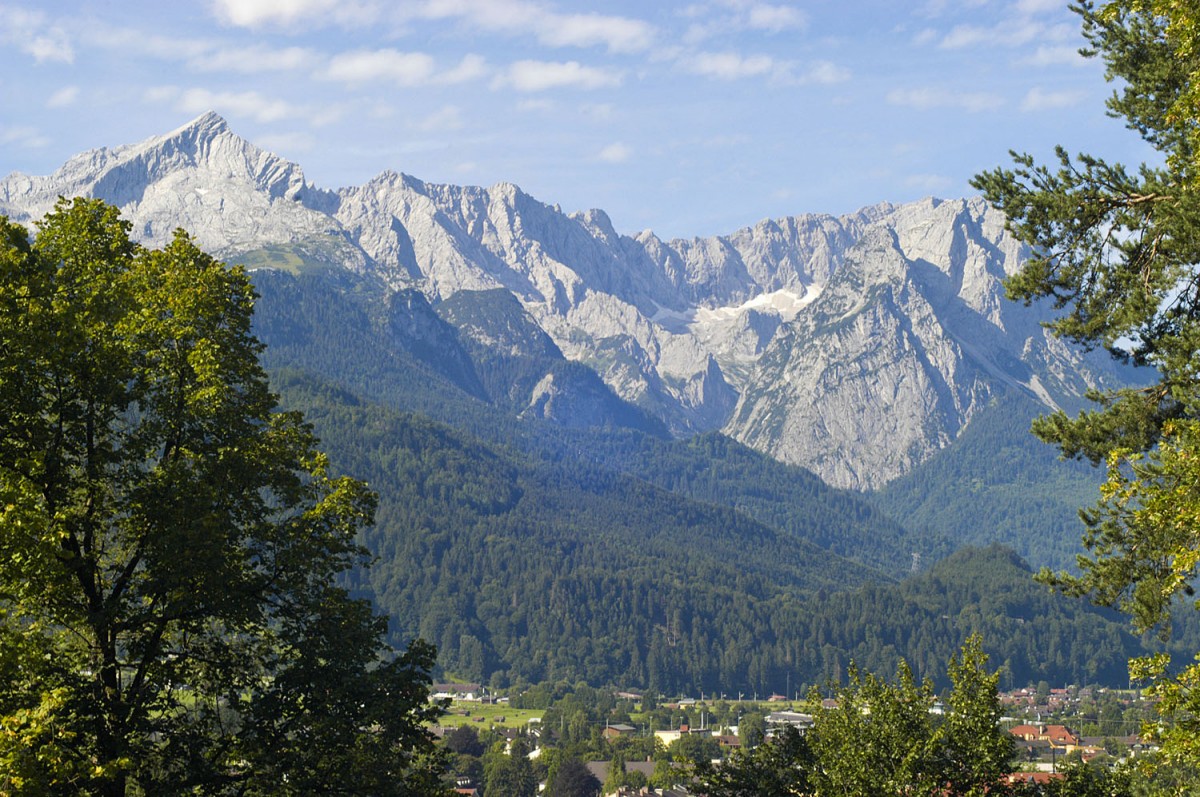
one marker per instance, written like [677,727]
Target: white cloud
[243,103]
[30,33]
[729,66]
[253,59]
[825,73]
[1039,6]
[291,13]
[64,97]
[1011,33]
[763,16]
[554,29]
[1037,99]
[618,34]
[616,152]
[362,66]
[1055,55]
[472,67]
[51,46]
[734,66]
[924,99]
[925,36]
[722,17]
[543,75]
[22,136]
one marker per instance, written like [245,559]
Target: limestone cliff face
[853,345]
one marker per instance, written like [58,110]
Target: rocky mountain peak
[234,197]
[854,345]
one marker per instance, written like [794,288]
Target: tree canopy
[170,620]
[881,738]
[1116,250]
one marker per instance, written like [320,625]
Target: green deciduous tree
[878,740]
[1117,252]
[752,729]
[973,751]
[169,543]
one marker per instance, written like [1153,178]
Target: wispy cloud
[618,34]
[713,19]
[534,76]
[446,118]
[1011,33]
[393,66]
[1054,55]
[472,67]
[204,55]
[398,68]
[1038,99]
[63,98]
[293,13]
[824,73]
[928,98]
[734,66]
[253,59]
[22,136]
[775,18]
[514,17]
[616,152]
[250,104]
[728,65]
[1039,6]
[551,28]
[32,34]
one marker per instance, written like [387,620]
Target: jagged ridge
[853,345]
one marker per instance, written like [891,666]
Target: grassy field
[482,715]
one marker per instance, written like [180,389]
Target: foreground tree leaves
[169,543]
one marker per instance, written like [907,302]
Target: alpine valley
[727,463]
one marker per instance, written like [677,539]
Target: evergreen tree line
[523,571]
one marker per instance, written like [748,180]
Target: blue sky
[694,117]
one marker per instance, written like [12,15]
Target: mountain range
[855,346]
[725,463]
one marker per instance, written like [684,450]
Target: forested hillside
[561,570]
[998,483]
[523,569]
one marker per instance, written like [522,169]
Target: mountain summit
[855,346]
